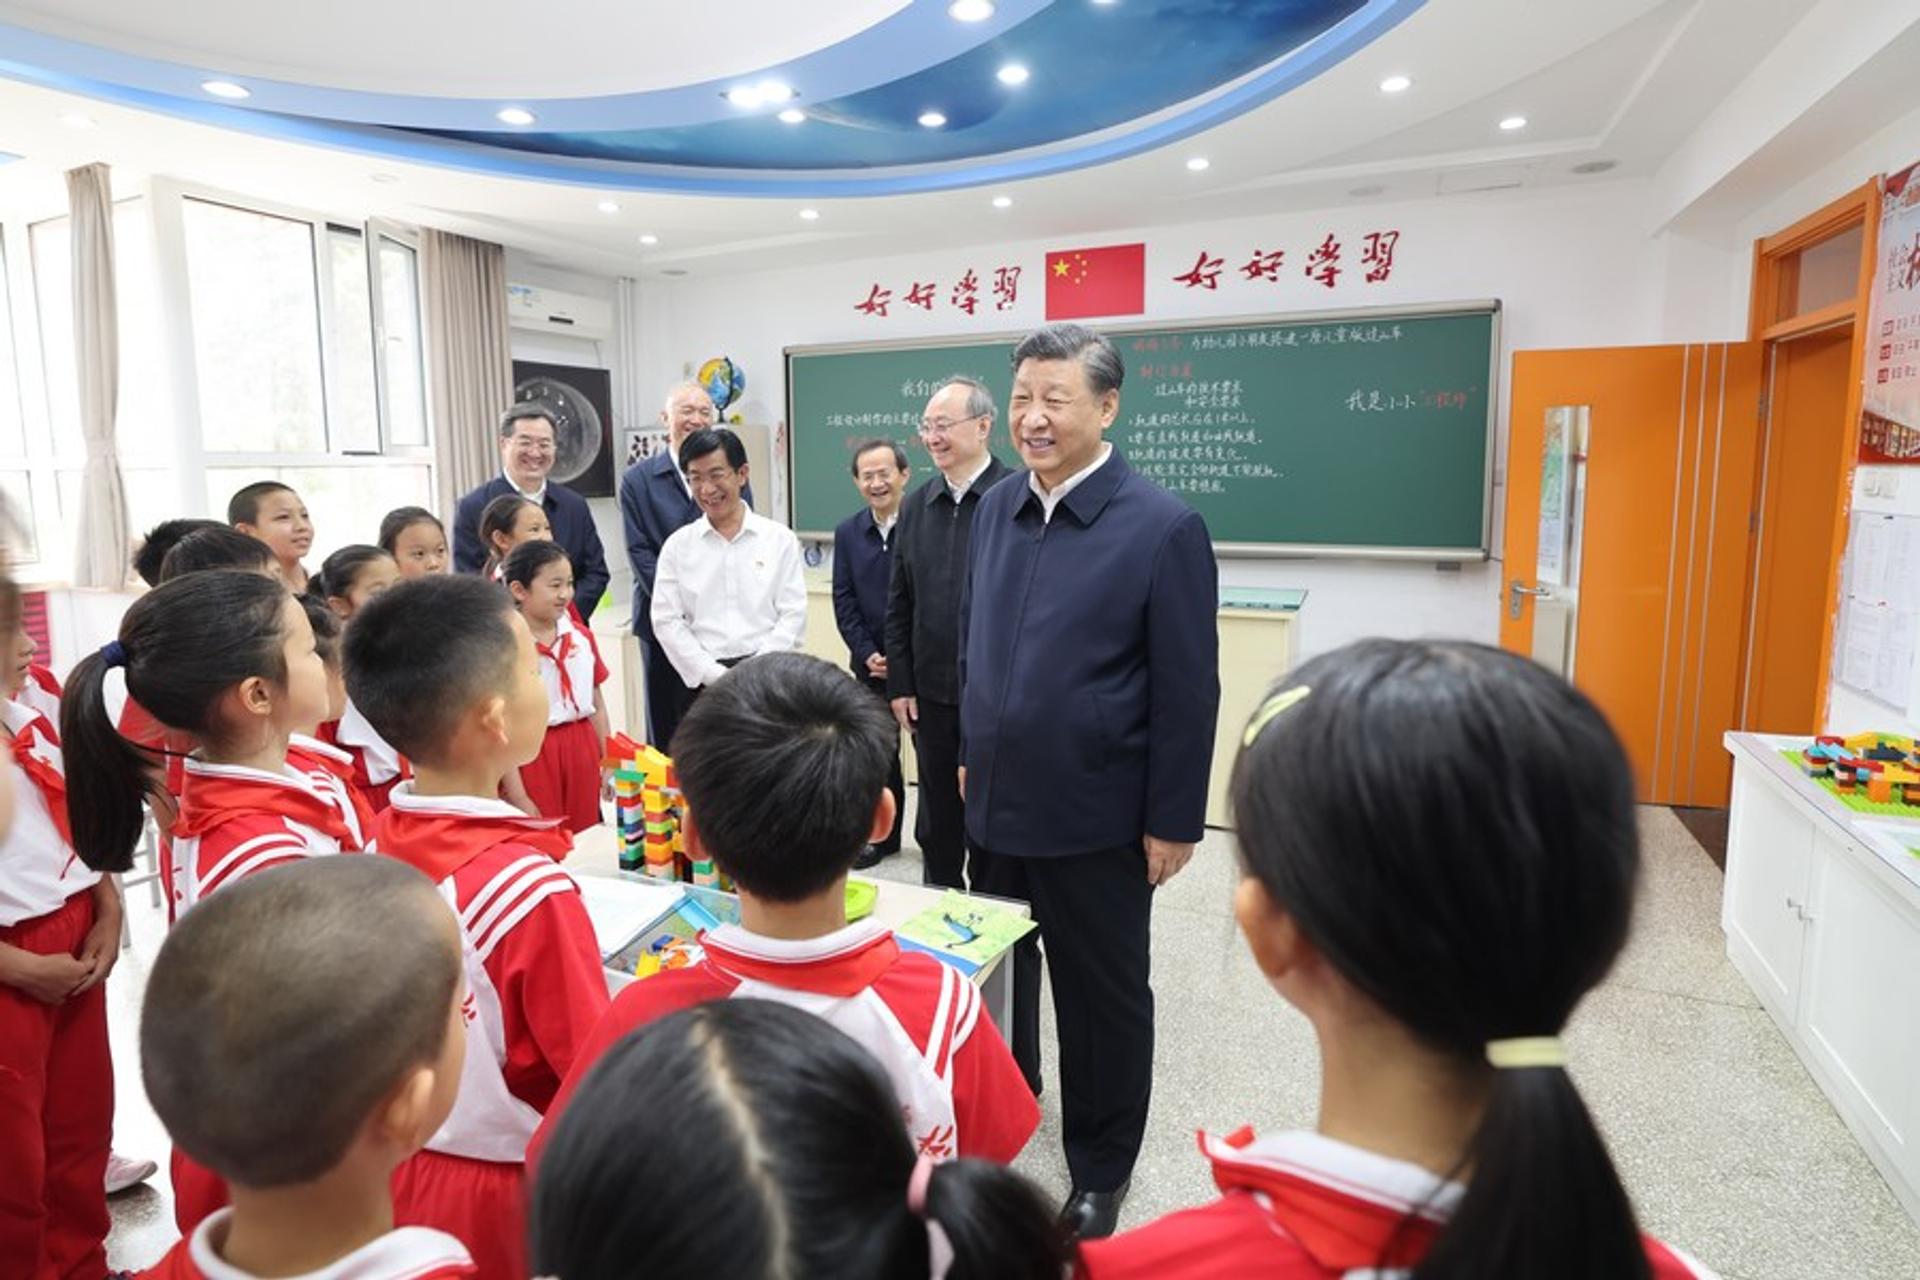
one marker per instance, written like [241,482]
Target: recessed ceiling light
[609,206]
[1371,189]
[793,115]
[1513,122]
[809,215]
[226,89]
[932,120]
[1003,202]
[649,238]
[744,96]
[1596,166]
[1198,163]
[1104,3]
[970,10]
[1396,84]
[79,120]
[774,92]
[1014,73]
[383,179]
[514,116]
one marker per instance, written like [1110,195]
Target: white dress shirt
[959,488]
[1048,501]
[538,495]
[714,598]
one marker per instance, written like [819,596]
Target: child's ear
[340,607]
[690,834]
[883,812]
[493,718]
[253,696]
[248,528]
[406,1120]
[518,591]
[1278,946]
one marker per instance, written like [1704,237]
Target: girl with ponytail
[768,1144]
[1437,916]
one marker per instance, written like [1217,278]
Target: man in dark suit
[654,502]
[923,614]
[1090,687]
[862,564]
[526,456]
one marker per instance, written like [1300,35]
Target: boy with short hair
[161,539]
[783,762]
[302,1036]
[274,513]
[444,668]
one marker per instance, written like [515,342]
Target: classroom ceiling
[1607,91]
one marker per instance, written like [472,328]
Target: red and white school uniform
[377,767]
[331,769]
[41,692]
[56,1075]
[234,822]
[1301,1206]
[564,780]
[407,1253]
[535,991]
[960,1092]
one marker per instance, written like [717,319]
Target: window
[13,432]
[404,361]
[356,403]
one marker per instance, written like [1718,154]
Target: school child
[564,779]
[313,749]
[161,539]
[352,576]
[220,548]
[768,1144]
[301,1034]
[59,938]
[1436,917]
[348,579]
[445,669]
[508,521]
[784,763]
[416,540]
[273,513]
[30,683]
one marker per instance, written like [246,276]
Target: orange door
[1673,438]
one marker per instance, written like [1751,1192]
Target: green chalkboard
[1358,433]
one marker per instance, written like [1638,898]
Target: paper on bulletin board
[1880,614]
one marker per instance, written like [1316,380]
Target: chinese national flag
[1108,281]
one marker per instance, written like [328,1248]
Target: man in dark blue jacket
[526,456]
[1089,691]
[862,565]
[655,502]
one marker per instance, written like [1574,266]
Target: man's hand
[907,712]
[962,778]
[1165,858]
[877,665]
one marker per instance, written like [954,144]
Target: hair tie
[113,654]
[1526,1051]
[1271,708]
[939,1247]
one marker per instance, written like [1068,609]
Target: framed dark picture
[580,401]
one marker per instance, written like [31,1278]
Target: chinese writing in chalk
[1322,335]
[1189,453]
[1375,400]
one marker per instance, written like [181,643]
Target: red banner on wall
[1890,401]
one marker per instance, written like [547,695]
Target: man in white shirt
[729,585]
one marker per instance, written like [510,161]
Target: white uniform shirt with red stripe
[1302,1206]
[535,988]
[41,692]
[375,756]
[409,1253]
[960,1092]
[38,868]
[235,821]
[571,669]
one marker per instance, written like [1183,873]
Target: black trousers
[896,779]
[667,695]
[1093,910]
[941,827]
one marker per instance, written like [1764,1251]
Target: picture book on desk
[964,932]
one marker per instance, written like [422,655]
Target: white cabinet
[1769,852]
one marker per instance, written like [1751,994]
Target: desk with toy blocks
[596,851]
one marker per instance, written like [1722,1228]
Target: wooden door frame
[1776,273]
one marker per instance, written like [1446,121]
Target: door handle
[1517,593]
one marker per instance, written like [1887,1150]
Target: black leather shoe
[872,858]
[1092,1215]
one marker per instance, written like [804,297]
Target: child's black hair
[401,519]
[215,547]
[783,760]
[419,656]
[161,539]
[499,516]
[184,644]
[339,571]
[244,506]
[524,563]
[1473,875]
[326,629]
[771,1145]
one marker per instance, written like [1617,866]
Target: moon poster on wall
[580,401]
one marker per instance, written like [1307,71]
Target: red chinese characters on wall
[1322,263]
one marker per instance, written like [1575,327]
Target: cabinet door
[1860,998]
[1769,848]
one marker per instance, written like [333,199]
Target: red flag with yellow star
[1107,281]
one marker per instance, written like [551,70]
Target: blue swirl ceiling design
[1106,81]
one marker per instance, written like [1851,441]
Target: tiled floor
[1728,1147]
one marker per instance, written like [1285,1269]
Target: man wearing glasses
[923,612]
[526,456]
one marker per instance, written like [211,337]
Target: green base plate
[1856,800]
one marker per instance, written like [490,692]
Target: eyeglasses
[931,427]
[533,446]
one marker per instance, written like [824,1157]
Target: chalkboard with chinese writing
[1364,434]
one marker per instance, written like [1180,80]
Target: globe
[724,381]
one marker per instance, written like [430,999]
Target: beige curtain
[101,557]
[469,365]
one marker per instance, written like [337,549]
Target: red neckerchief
[440,842]
[1342,1231]
[557,653]
[36,750]
[209,799]
[845,974]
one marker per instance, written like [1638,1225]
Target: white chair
[148,850]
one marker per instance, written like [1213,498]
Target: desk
[596,853]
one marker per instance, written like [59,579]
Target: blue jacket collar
[1090,497]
